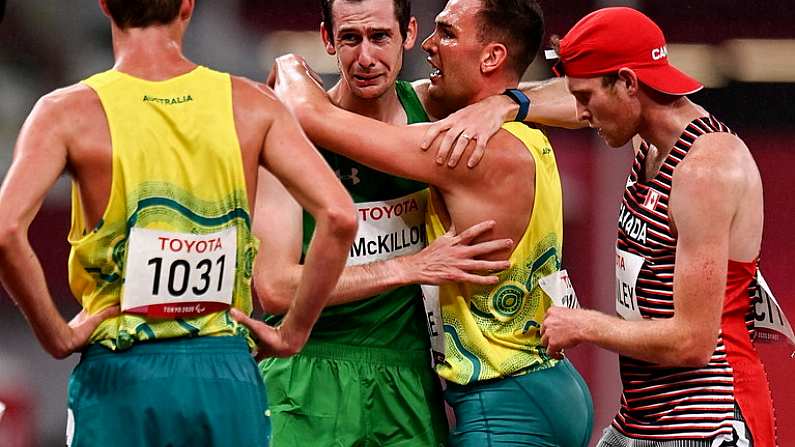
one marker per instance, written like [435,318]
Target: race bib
[737,438]
[627,269]
[768,314]
[433,310]
[559,288]
[389,229]
[179,274]
[70,427]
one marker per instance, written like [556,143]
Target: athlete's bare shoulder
[719,163]
[506,155]
[67,99]
[254,103]
[67,113]
[718,154]
[249,93]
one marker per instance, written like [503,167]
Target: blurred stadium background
[744,51]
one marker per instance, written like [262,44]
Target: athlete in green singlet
[365,376]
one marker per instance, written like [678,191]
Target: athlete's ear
[493,56]
[103,5]
[629,79]
[327,42]
[186,10]
[411,34]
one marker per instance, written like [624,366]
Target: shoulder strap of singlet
[698,127]
[415,112]
[637,165]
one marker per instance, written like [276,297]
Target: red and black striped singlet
[663,404]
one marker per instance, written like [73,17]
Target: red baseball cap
[610,39]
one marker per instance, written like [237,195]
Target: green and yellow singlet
[174,247]
[493,331]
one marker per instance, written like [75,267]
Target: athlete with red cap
[690,229]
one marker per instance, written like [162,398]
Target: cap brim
[668,79]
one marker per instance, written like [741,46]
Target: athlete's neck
[153,53]
[386,108]
[495,84]
[663,123]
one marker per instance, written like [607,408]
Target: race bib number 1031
[179,274]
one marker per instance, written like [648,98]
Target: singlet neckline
[176,78]
[644,152]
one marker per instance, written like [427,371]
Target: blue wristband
[520,98]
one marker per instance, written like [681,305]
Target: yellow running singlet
[174,246]
[493,331]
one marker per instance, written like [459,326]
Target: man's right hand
[291,61]
[80,329]
[272,341]
[295,82]
[452,258]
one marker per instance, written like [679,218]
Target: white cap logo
[659,53]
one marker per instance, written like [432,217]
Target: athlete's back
[79,117]
[115,138]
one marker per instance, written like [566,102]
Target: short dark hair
[518,24]
[610,80]
[143,13]
[402,15]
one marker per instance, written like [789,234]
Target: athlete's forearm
[325,261]
[551,104]
[357,282]
[664,341]
[376,144]
[367,280]
[23,278]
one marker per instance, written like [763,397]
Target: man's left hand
[563,328]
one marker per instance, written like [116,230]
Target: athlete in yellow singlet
[164,156]
[492,331]
[177,220]
[503,387]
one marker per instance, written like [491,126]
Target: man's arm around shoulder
[278,224]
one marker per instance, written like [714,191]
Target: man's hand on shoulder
[297,84]
[477,122]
